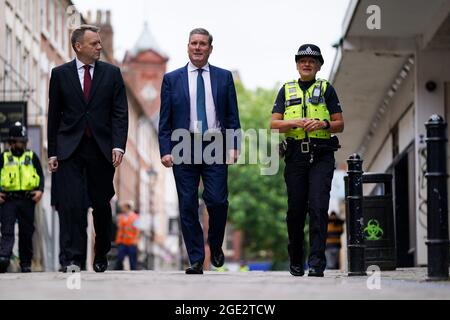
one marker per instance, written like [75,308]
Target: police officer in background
[307,110]
[22,185]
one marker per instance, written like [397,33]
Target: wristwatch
[328,125]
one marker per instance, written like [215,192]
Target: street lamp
[152,174]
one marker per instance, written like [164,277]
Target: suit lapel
[213,76]
[98,75]
[185,82]
[75,80]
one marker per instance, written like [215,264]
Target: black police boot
[296,270]
[25,268]
[315,272]
[4,264]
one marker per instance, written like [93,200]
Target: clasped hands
[309,124]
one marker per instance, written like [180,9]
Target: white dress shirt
[80,69]
[213,124]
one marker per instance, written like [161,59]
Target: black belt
[319,145]
[19,195]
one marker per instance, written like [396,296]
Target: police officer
[22,185]
[307,110]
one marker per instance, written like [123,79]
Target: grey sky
[259,38]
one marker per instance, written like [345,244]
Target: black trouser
[22,209]
[308,187]
[86,167]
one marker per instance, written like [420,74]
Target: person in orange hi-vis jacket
[127,235]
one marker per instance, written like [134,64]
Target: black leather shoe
[4,264]
[217,257]
[313,272]
[25,268]
[195,268]
[100,264]
[296,270]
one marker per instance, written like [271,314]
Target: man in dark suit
[87,134]
[199,98]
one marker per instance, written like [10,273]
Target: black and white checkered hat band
[308,53]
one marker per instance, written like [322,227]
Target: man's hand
[116,158]
[312,124]
[37,195]
[233,156]
[53,165]
[2,197]
[167,161]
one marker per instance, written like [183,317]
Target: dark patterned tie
[86,91]
[201,106]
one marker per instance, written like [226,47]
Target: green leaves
[258,203]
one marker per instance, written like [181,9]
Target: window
[65,35]
[44,15]
[26,67]
[26,9]
[59,27]
[9,50]
[18,61]
[8,45]
[34,80]
[51,19]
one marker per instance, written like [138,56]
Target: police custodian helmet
[309,50]
[18,132]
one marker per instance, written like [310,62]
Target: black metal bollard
[437,203]
[355,235]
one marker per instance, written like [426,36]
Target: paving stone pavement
[402,284]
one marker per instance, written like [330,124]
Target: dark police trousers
[19,208]
[308,187]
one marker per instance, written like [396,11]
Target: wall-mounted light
[430,86]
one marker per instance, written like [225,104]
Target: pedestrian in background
[127,235]
[334,231]
[22,186]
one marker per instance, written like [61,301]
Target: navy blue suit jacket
[175,103]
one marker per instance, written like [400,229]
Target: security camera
[430,86]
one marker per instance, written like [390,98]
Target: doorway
[405,256]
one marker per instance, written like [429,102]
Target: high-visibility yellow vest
[299,105]
[18,173]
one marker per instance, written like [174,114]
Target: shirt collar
[81,64]
[191,67]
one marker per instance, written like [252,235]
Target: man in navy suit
[87,135]
[201,100]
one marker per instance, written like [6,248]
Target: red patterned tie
[86,90]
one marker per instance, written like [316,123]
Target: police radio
[315,99]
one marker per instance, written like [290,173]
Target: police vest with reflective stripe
[299,105]
[18,173]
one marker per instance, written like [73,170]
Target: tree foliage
[258,202]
